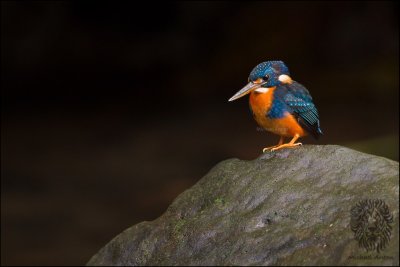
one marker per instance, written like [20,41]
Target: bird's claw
[269,148]
[286,146]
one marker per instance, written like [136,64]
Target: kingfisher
[280,105]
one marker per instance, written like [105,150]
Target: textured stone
[289,207]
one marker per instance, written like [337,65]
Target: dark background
[110,110]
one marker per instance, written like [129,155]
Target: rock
[289,207]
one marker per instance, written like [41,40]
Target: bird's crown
[270,69]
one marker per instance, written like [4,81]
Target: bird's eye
[265,78]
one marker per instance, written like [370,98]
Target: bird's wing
[300,103]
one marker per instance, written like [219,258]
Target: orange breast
[261,103]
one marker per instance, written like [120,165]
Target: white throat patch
[262,90]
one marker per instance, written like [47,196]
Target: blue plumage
[279,104]
[270,70]
[295,99]
[290,97]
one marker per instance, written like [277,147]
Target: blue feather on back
[295,99]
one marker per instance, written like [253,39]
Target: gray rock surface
[289,207]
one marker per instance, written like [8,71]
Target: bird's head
[264,75]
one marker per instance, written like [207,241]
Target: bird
[280,105]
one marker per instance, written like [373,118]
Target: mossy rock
[289,207]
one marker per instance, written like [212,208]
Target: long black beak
[245,90]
